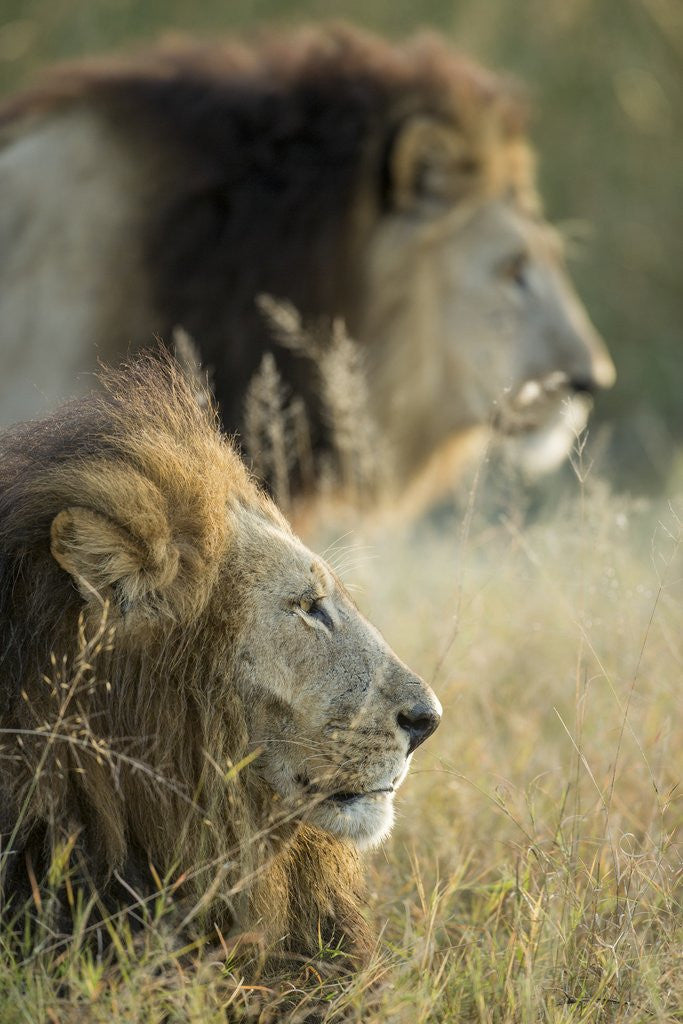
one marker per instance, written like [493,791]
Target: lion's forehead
[497,224]
[276,563]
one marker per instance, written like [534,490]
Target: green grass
[536,870]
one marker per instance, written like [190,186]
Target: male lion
[389,185]
[186,690]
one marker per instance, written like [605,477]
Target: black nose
[419,722]
[583,385]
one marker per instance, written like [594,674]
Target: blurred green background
[606,81]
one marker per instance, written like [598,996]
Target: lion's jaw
[332,712]
[472,322]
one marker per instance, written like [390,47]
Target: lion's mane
[133,748]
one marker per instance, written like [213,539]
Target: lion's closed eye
[312,608]
[515,269]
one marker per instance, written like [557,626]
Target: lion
[391,186]
[187,691]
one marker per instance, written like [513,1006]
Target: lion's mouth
[342,796]
[347,798]
[364,816]
[536,404]
[539,407]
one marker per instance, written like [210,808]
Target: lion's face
[473,307]
[333,711]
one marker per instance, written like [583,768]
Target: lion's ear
[431,163]
[101,554]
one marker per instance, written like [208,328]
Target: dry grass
[355,463]
[536,872]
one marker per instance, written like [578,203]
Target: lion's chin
[539,449]
[365,820]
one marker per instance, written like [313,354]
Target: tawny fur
[120,711]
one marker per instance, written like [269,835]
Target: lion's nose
[583,385]
[419,722]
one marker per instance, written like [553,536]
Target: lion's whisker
[333,547]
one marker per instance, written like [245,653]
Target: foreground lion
[390,185]
[186,691]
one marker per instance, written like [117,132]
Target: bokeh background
[606,81]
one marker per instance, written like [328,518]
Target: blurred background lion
[603,123]
[390,187]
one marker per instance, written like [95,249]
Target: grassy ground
[536,870]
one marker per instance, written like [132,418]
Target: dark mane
[267,169]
